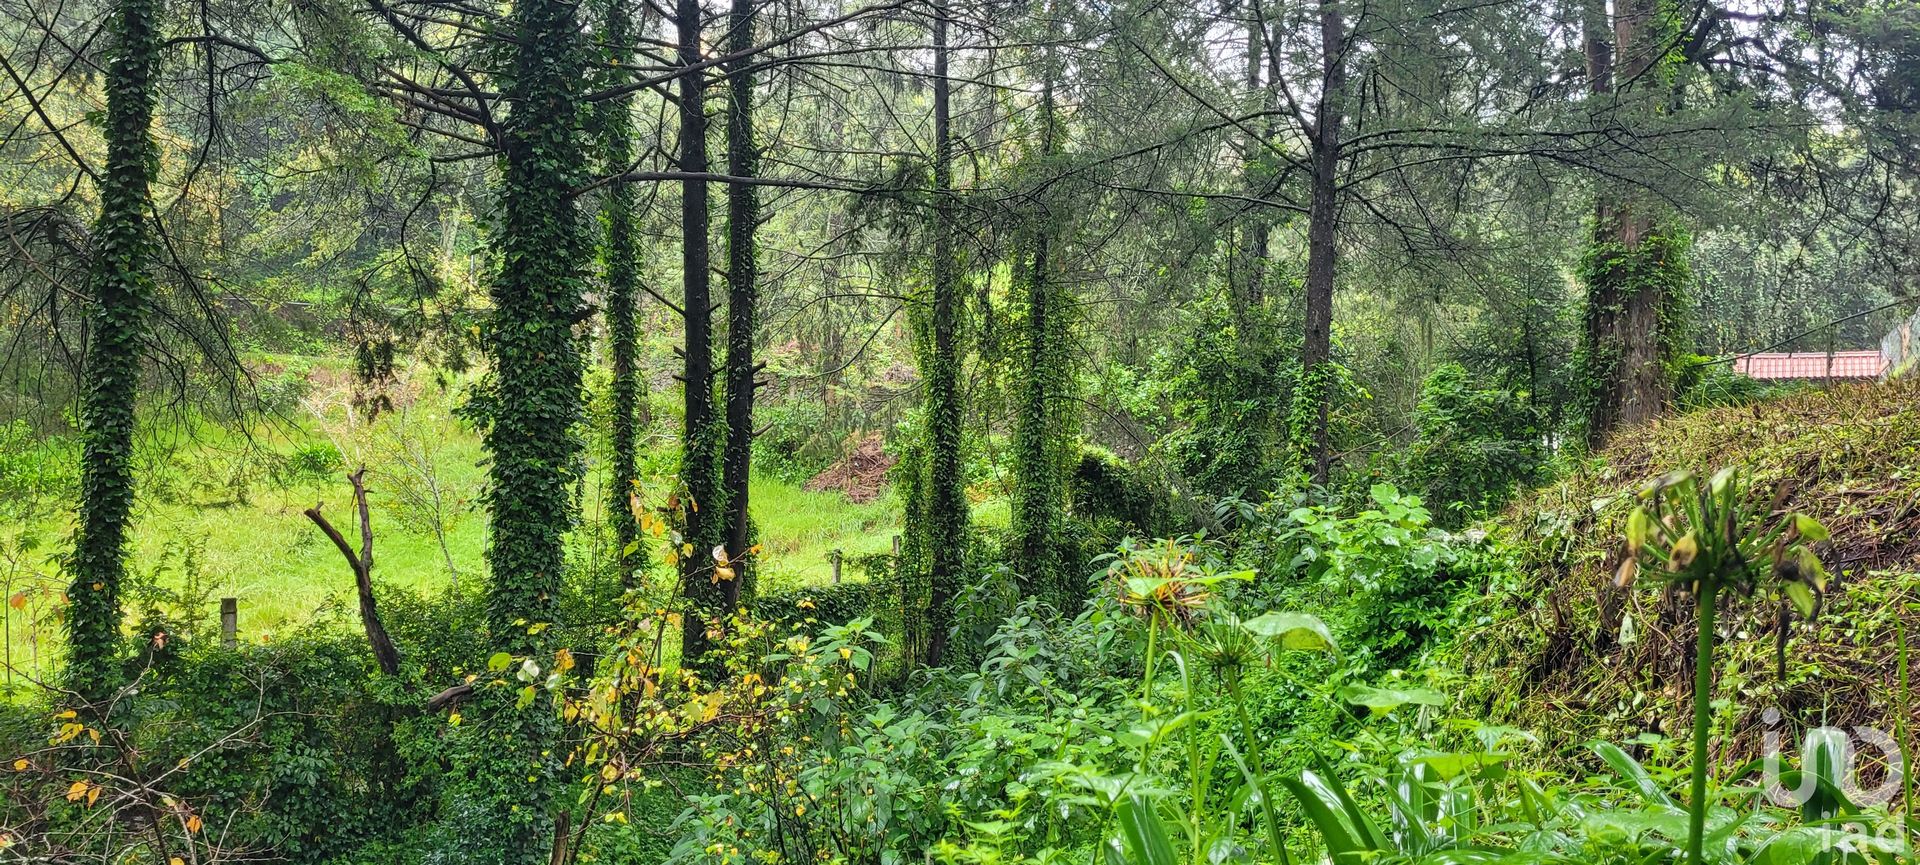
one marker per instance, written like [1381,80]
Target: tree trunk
[947,501]
[1316,350]
[743,274]
[699,438]
[1247,275]
[620,260]
[1626,346]
[537,296]
[121,288]
[1039,499]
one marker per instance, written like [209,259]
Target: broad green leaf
[1295,631]
[1323,811]
[1634,774]
[1811,530]
[499,662]
[1448,765]
[1145,837]
[1380,701]
[1801,596]
[1364,828]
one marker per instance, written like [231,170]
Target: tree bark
[947,502]
[1625,346]
[1316,350]
[743,295]
[384,652]
[699,443]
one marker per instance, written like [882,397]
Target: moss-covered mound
[1556,648]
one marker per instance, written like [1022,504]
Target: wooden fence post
[229,622]
[835,556]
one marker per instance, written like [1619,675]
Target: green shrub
[795,442]
[1704,382]
[1473,447]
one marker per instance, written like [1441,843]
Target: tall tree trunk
[1248,271]
[620,258]
[743,293]
[1039,500]
[1626,343]
[947,501]
[537,300]
[122,290]
[1316,351]
[700,436]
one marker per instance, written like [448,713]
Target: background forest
[956,431]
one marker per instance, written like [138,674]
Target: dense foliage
[1129,432]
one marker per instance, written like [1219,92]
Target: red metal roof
[1811,365]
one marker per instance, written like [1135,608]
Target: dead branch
[362,564]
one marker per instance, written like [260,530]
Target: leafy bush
[36,474]
[1383,575]
[1472,446]
[795,442]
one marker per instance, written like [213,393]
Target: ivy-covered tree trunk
[1634,271]
[620,261]
[700,437]
[1314,393]
[121,288]
[1039,433]
[507,793]
[946,522]
[743,294]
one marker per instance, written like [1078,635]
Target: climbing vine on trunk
[541,244]
[620,263]
[122,289]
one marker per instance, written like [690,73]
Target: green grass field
[220,514]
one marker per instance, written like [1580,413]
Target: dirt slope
[1554,648]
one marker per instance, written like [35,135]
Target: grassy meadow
[221,513]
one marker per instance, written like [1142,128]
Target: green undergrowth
[1551,644]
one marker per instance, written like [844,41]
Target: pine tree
[122,294]
[537,295]
[743,275]
[620,262]
[946,522]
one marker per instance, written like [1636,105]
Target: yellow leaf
[78,789]
[1684,551]
[193,823]
[176,861]
[18,601]
[21,765]
[93,794]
